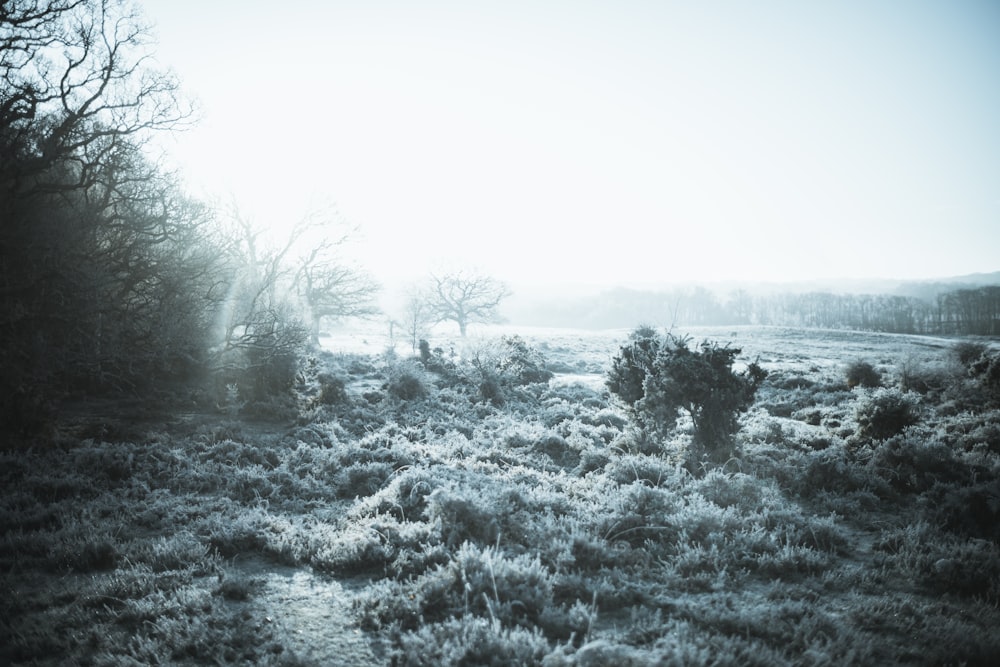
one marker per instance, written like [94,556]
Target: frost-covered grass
[440,526]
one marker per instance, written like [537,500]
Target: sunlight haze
[606,143]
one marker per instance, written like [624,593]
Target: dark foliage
[521,364]
[406,382]
[967,352]
[986,371]
[884,413]
[108,270]
[863,374]
[657,378]
[332,388]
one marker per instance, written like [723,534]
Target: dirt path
[311,612]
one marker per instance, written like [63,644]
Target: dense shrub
[863,374]
[437,361]
[969,511]
[914,462]
[884,412]
[498,366]
[472,640]
[521,363]
[658,378]
[480,581]
[332,388]
[26,411]
[636,360]
[407,381]
[925,377]
[940,562]
[968,352]
[986,371]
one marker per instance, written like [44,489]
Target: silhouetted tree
[466,297]
[330,287]
[77,94]
[277,294]
[335,291]
[417,319]
[260,331]
[108,272]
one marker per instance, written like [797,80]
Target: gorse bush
[658,378]
[915,462]
[925,377]
[332,388]
[636,360]
[968,352]
[986,371]
[408,381]
[522,363]
[472,640]
[863,374]
[498,366]
[884,412]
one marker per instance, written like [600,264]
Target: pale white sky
[610,142]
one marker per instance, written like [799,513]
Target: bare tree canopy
[466,297]
[113,280]
[333,289]
[306,272]
[77,88]
[417,318]
[109,274]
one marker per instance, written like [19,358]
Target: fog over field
[606,144]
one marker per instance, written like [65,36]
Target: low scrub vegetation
[469,508]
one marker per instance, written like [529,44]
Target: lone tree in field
[658,377]
[466,297]
[417,319]
[330,286]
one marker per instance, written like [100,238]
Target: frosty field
[399,512]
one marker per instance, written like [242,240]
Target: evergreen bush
[884,412]
[968,352]
[408,382]
[658,378]
[863,374]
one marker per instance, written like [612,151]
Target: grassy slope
[438,530]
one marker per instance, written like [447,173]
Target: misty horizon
[635,144]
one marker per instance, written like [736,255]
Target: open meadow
[464,508]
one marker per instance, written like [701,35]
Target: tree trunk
[314,330]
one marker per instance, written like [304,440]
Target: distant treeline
[966,311]
[957,312]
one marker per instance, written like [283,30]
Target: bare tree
[77,89]
[328,284]
[260,332]
[275,289]
[466,297]
[98,248]
[417,318]
[334,290]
